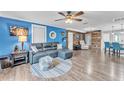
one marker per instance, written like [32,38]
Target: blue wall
[59,37]
[7,42]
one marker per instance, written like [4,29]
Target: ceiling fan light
[68,21]
[113,33]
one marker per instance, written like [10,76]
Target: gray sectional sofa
[48,49]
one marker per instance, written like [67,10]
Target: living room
[61,45]
[72,46]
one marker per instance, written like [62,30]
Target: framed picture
[77,36]
[62,33]
[13,30]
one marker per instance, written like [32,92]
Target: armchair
[116,47]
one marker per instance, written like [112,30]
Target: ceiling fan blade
[61,14]
[60,19]
[78,14]
[77,19]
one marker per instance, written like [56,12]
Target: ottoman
[45,62]
[65,54]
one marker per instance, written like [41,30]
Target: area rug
[59,70]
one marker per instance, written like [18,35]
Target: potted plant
[16,49]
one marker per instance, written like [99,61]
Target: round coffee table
[45,62]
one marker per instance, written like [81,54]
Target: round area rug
[63,67]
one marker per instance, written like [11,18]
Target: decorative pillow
[59,46]
[34,49]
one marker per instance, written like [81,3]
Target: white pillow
[34,49]
[59,46]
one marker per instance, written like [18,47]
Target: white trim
[32,33]
[45,34]
[70,40]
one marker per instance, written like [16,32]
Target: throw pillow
[34,49]
[59,46]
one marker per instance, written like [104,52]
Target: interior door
[38,34]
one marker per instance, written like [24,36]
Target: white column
[70,40]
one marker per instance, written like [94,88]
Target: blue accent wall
[59,37]
[7,42]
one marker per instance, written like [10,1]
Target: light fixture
[112,29]
[22,39]
[68,21]
[22,36]
[118,19]
[21,32]
[111,35]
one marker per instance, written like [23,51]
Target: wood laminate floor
[87,65]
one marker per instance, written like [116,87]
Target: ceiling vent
[118,19]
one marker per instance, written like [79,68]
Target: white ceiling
[96,19]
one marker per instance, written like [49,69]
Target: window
[38,34]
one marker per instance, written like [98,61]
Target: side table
[4,62]
[19,58]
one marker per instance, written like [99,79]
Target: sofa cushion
[49,48]
[52,53]
[47,45]
[65,54]
[38,45]
[39,54]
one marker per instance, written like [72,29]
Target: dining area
[114,48]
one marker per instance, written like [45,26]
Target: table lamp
[22,39]
[22,35]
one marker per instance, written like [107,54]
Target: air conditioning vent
[118,19]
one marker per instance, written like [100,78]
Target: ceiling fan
[69,17]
